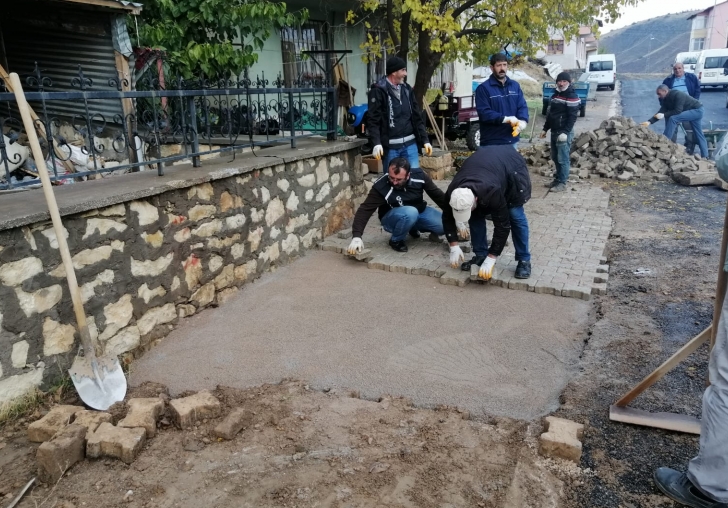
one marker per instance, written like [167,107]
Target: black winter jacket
[498,176]
[384,197]
[378,113]
[675,102]
[563,110]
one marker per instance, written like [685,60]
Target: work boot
[678,487]
[414,233]
[398,246]
[559,187]
[523,270]
[551,184]
[476,260]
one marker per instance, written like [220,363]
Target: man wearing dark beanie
[395,121]
[561,117]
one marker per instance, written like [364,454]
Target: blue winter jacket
[691,83]
[494,101]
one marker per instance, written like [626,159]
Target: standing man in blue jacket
[502,108]
[689,84]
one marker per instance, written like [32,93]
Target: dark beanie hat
[563,76]
[395,63]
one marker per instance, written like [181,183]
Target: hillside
[637,53]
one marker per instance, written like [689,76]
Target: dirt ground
[304,448]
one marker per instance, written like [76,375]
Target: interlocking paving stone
[568,235]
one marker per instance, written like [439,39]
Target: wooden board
[667,421]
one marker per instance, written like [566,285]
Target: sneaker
[414,233]
[559,187]
[678,487]
[551,184]
[398,246]
[476,260]
[523,270]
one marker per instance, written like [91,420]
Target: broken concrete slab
[57,418]
[696,178]
[117,442]
[143,412]
[232,424]
[91,419]
[59,454]
[562,439]
[187,410]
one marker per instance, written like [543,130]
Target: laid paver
[91,419]
[143,412]
[57,418]
[187,410]
[562,439]
[568,235]
[56,456]
[118,442]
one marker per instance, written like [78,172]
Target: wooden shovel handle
[55,215]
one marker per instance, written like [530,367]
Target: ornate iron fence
[199,116]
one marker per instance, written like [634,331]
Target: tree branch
[472,31]
[390,24]
[464,7]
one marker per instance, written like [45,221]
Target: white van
[602,69]
[709,68]
[689,59]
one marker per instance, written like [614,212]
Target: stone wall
[144,264]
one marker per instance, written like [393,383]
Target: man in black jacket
[395,124]
[679,107]
[563,110]
[398,197]
[493,181]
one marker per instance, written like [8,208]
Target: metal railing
[200,116]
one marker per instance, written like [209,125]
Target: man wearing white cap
[493,181]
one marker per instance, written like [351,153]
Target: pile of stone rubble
[624,150]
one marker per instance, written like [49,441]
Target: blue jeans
[561,155]
[695,117]
[400,220]
[408,151]
[519,234]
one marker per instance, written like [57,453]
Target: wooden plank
[438,134]
[667,421]
[666,367]
[122,69]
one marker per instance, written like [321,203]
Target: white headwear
[461,202]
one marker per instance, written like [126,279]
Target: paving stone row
[568,235]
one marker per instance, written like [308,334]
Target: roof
[705,12]
[119,5]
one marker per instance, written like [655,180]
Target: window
[699,22]
[312,35]
[715,62]
[555,47]
[603,65]
[697,44]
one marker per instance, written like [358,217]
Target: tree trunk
[404,35]
[428,62]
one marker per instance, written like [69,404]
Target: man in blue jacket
[502,108]
[688,83]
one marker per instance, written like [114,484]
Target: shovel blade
[100,382]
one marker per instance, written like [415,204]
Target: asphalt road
[639,102]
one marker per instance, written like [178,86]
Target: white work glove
[645,124]
[510,119]
[463,230]
[355,247]
[428,149]
[522,125]
[378,152]
[456,256]
[561,138]
[659,116]
[486,269]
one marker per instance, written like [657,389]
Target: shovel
[99,380]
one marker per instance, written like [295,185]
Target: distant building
[710,28]
[570,53]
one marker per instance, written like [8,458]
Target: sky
[655,8]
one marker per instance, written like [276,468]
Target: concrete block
[91,419]
[117,442]
[599,289]
[344,233]
[374,165]
[58,455]
[455,277]
[438,161]
[721,184]
[187,410]
[543,287]
[232,424]
[561,439]
[57,418]
[697,178]
[143,413]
